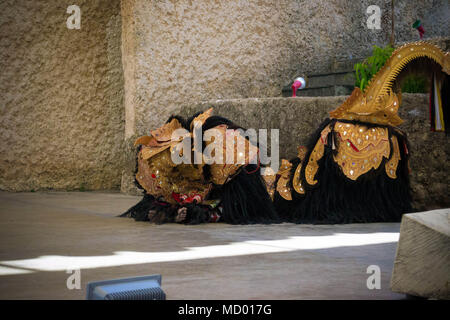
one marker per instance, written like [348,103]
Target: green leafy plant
[365,70]
[414,84]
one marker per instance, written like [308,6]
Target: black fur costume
[373,197]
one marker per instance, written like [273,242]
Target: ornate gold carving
[392,164]
[241,153]
[296,180]
[269,179]
[301,152]
[201,118]
[378,103]
[160,139]
[285,174]
[164,134]
[144,177]
[360,148]
[144,140]
[160,177]
[148,152]
[317,153]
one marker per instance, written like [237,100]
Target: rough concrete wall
[189,51]
[61,102]
[430,155]
[298,118]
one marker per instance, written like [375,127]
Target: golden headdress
[379,103]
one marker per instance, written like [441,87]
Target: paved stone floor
[42,235]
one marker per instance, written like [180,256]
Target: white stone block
[422,263]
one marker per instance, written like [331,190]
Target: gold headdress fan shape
[378,103]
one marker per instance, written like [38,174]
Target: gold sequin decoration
[360,148]
[282,185]
[392,164]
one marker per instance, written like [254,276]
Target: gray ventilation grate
[139,294]
[138,288]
